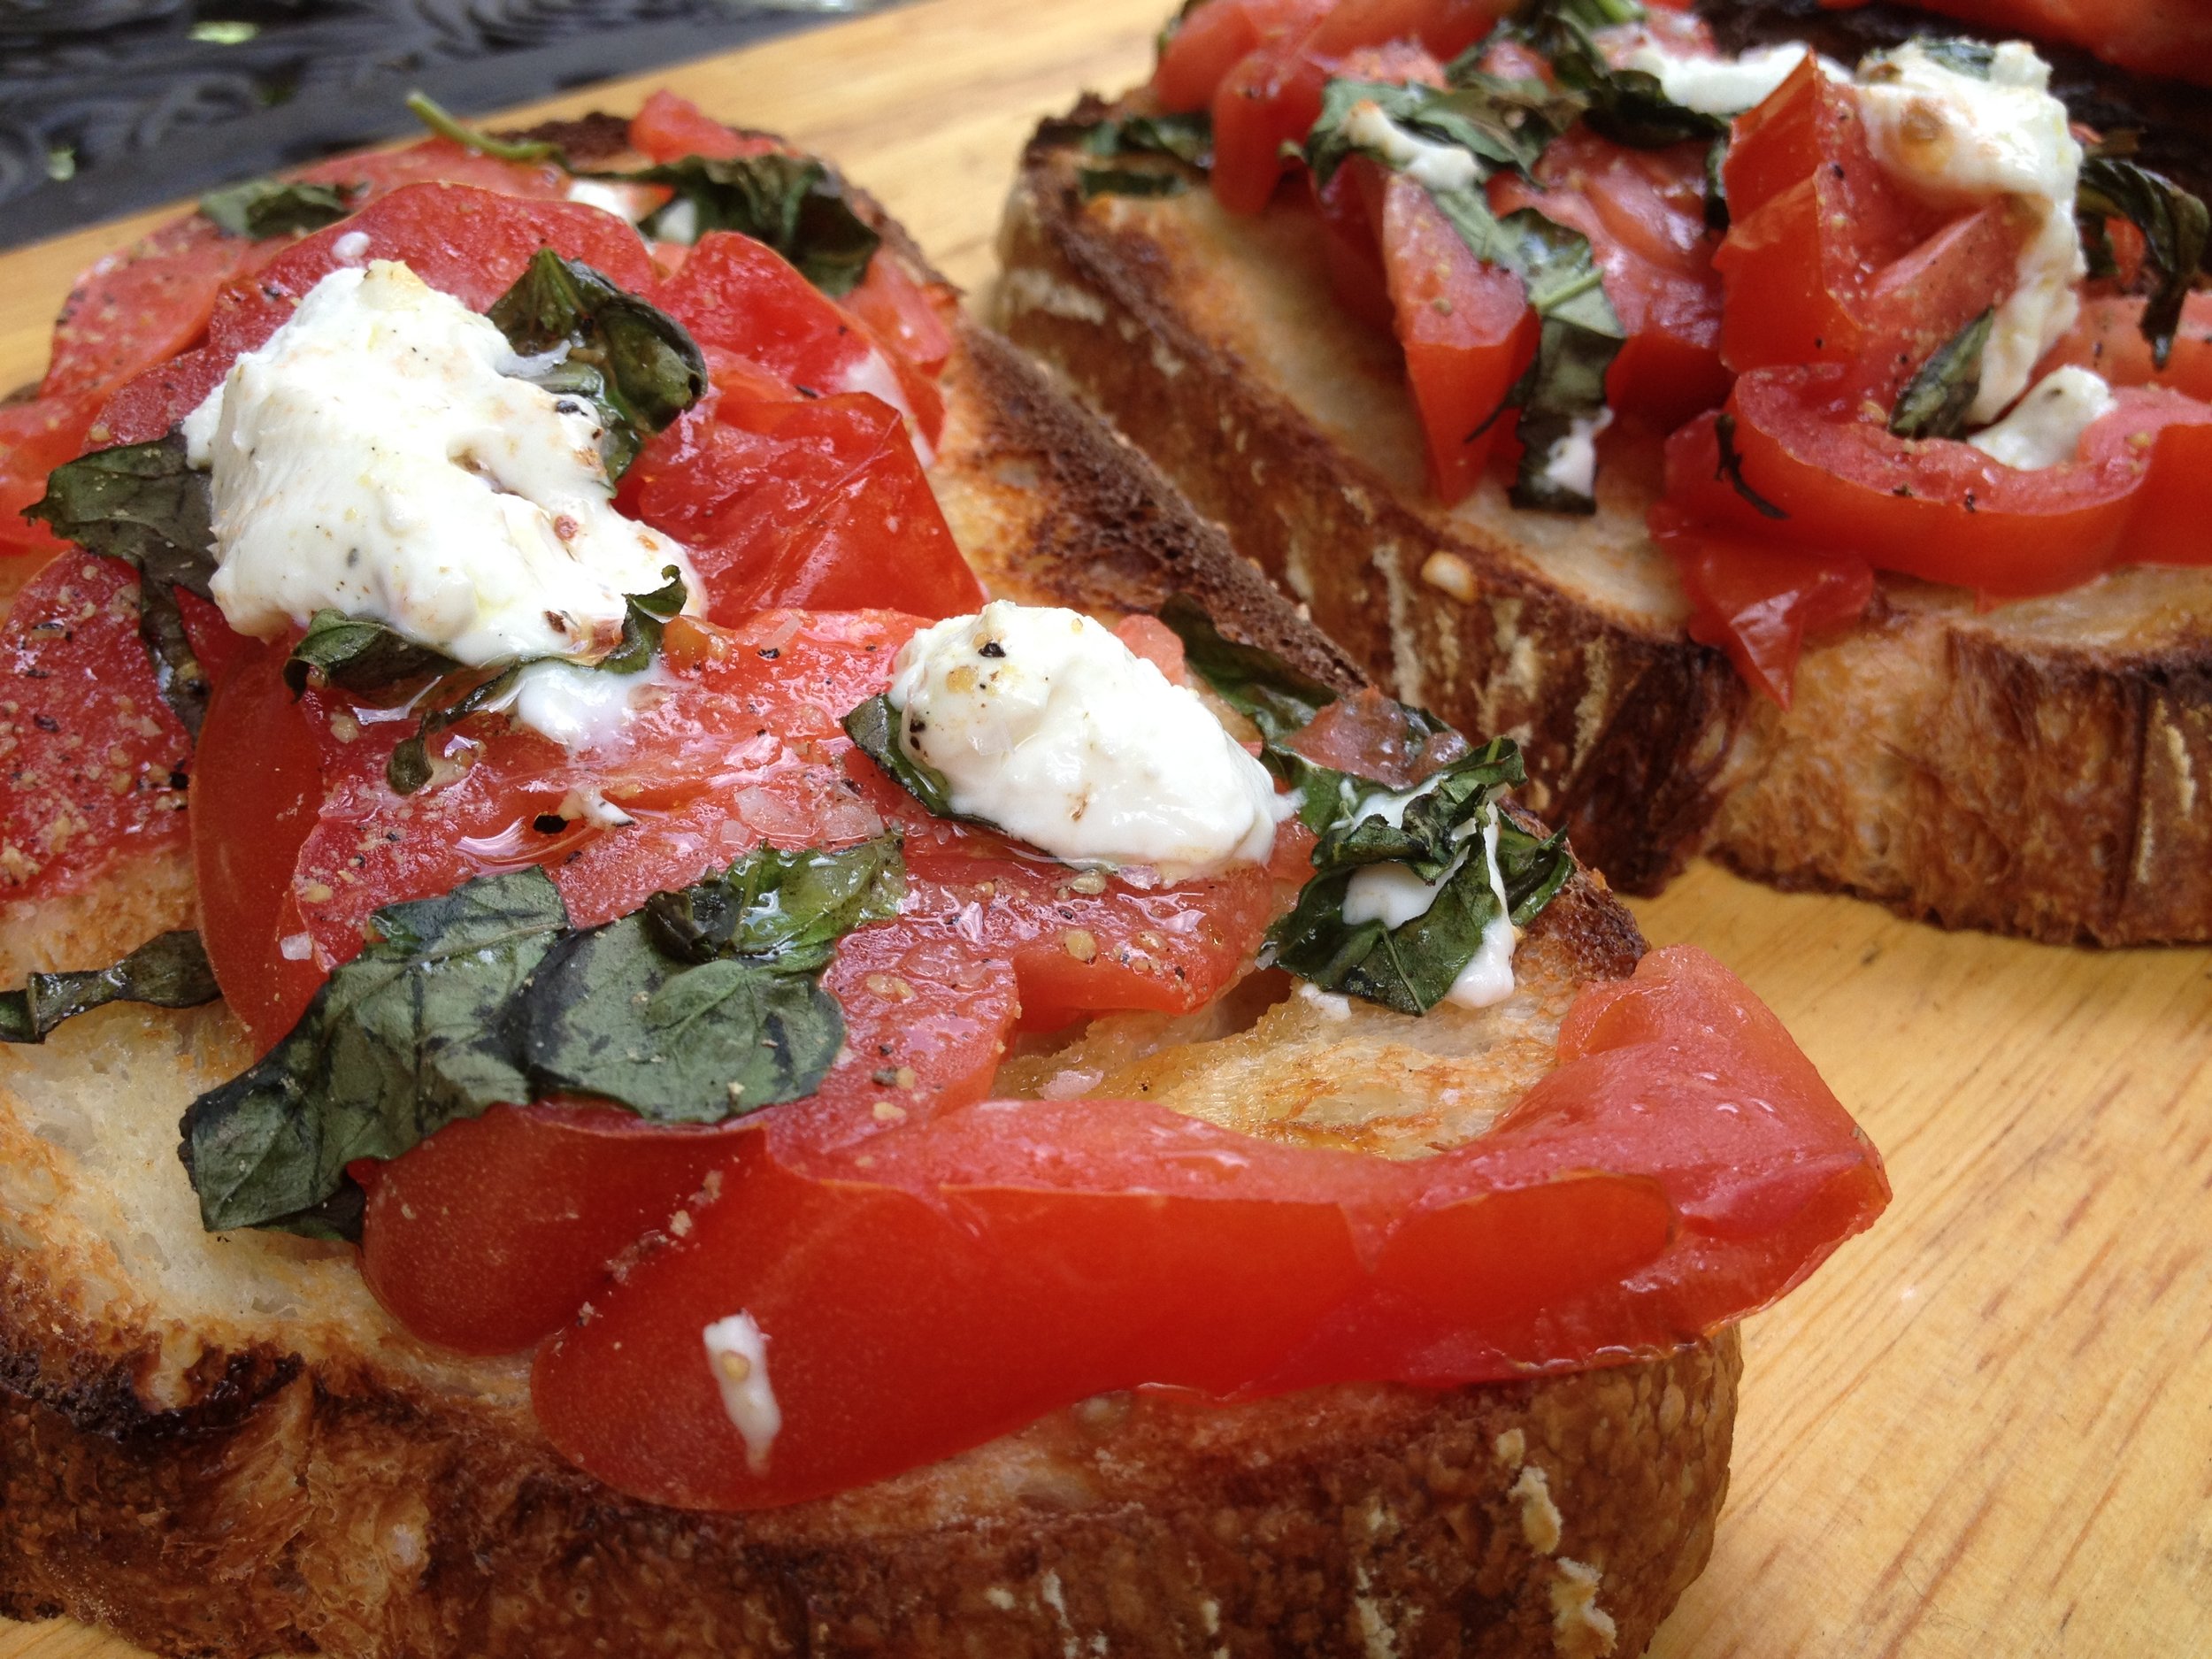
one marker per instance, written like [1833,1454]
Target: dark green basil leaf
[1730,468]
[1411,967]
[874,726]
[262,208]
[644,617]
[358,655]
[169,971]
[792,203]
[427,110]
[1578,333]
[1628,106]
[407,1036]
[407,768]
[788,907]
[638,364]
[1960,56]
[1934,401]
[1188,137]
[1500,123]
[708,1002]
[1092,182]
[141,503]
[2176,231]
[1256,683]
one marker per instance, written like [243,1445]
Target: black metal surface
[110,105]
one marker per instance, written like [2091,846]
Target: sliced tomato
[1758,600]
[744,746]
[2108,339]
[908,319]
[1644,213]
[1271,99]
[1207,42]
[668,128]
[35,437]
[737,294]
[817,503]
[1827,260]
[1942,510]
[1466,328]
[136,307]
[257,790]
[926,1287]
[467,241]
[91,757]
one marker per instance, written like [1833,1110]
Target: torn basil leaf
[143,503]
[2176,229]
[357,653]
[1440,839]
[169,971]
[635,363]
[1960,56]
[1578,333]
[874,728]
[262,208]
[790,906]
[1188,137]
[734,1017]
[792,203]
[410,1035]
[1092,182]
[1437,836]
[408,767]
[644,617]
[1500,123]
[1731,467]
[1256,683]
[1628,106]
[1934,401]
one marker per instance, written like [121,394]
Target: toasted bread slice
[220,1444]
[2031,769]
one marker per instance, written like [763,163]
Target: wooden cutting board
[1984,1429]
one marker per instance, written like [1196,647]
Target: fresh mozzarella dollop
[1953,135]
[737,1354]
[1044,724]
[1432,165]
[2045,428]
[1571,463]
[378,456]
[1715,86]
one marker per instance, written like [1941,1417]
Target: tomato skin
[1467,331]
[739,296]
[667,128]
[929,1286]
[907,318]
[35,437]
[492,1233]
[257,790]
[134,308]
[1210,41]
[1939,510]
[2108,339]
[91,756]
[819,504]
[470,242]
[1758,600]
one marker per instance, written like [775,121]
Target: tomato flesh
[668,128]
[926,1288]
[91,756]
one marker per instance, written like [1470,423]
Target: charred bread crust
[1561,1516]
[2014,771]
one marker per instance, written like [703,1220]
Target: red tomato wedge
[35,437]
[1942,510]
[668,128]
[928,1287]
[91,756]
[1466,328]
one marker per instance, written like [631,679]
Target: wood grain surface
[1984,1430]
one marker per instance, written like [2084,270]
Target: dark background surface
[110,105]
